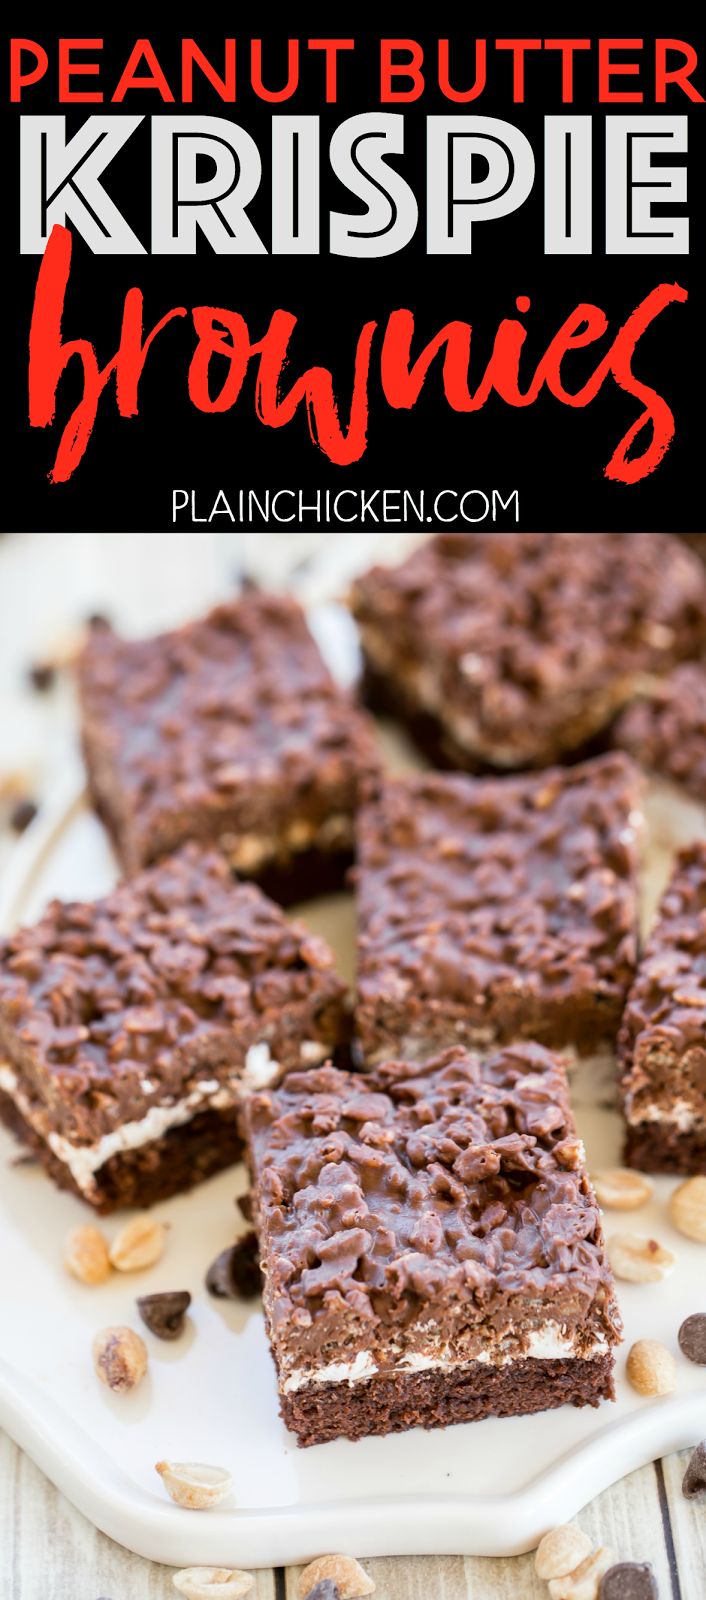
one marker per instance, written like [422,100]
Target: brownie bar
[131,1027]
[497,908]
[666,730]
[229,730]
[662,1045]
[517,650]
[430,1245]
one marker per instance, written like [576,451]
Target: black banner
[450,279]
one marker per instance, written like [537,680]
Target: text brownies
[222,350]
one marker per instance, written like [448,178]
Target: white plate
[483,1488]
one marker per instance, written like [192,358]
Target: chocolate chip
[219,1278]
[244,1204]
[22,813]
[325,1589]
[235,1273]
[42,675]
[692,1338]
[98,619]
[164,1313]
[694,1480]
[629,1580]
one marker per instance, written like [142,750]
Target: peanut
[194,1486]
[618,1189]
[560,1551]
[138,1245]
[213,1583]
[120,1358]
[344,1572]
[584,1582]
[637,1259]
[651,1368]
[86,1255]
[687,1209]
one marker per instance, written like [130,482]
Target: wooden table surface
[48,1551]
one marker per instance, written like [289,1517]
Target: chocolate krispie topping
[666,730]
[229,729]
[110,1008]
[437,1212]
[497,908]
[524,646]
[662,1045]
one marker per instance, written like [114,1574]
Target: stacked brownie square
[431,1248]
[132,1027]
[517,650]
[495,909]
[231,731]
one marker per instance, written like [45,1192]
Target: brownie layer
[662,1044]
[169,1165]
[229,730]
[307,875]
[427,1221]
[521,648]
[493,909]
[390,699]
[127,1018]
[436,743]
[660,1147]
[438,1400]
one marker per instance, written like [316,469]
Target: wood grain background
[48,1551]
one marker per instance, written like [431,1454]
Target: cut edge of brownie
[132,1027]
[662,1041]
[164,1166]
[381,1405]
[319,864]
[468,705]
[537,1365]
[582,1026]
[661,1147]
[291,830]
[435,741]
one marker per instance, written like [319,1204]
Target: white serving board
[484,1488]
